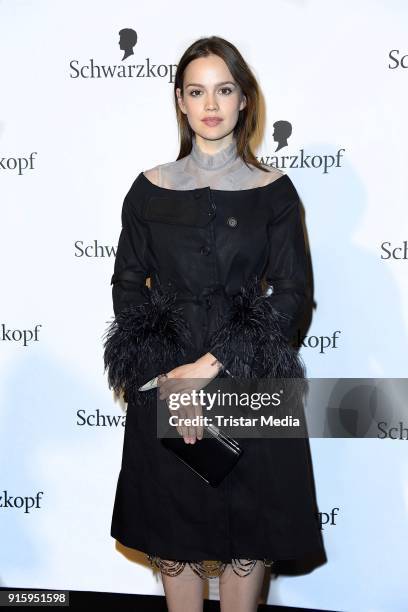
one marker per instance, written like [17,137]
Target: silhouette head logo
[282,131]
[127,40]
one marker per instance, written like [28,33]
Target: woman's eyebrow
[216,84]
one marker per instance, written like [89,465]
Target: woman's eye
[225,91]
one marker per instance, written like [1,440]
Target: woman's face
[210,92]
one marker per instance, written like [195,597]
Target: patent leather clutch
[211,458]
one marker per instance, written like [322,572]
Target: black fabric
[205,278]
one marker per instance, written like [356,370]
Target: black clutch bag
[212,457]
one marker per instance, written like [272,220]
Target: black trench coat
[228,276]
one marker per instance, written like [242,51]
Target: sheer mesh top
[223,170]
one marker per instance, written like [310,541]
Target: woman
[220,237]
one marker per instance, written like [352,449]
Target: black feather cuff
[250,342]
[145,340]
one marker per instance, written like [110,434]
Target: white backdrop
[80,142]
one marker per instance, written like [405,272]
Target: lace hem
[206,568]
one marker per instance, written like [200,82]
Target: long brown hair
[247,123]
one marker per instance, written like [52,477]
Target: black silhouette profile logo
[282,131]
[127,40]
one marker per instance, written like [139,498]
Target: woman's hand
[185,379]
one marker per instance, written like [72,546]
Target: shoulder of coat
[272,174]
[157,174]
[287,191]
[153,175]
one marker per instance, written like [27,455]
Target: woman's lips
[212,121]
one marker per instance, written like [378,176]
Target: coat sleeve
[254,338]
[286,274]
[147,335]
[130,269]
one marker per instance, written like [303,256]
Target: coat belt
[208,293]
[216,289]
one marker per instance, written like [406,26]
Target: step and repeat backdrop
[86,104]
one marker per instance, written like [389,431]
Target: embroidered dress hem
[206,568]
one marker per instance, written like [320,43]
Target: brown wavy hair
[247,124]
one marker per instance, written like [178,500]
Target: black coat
[228,275]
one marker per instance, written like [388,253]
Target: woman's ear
[180,101]
[243,103]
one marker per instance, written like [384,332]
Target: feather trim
[250,342]
[145,340]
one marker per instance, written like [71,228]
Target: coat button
[232,222]
[205,250]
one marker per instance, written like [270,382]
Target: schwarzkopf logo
[397,61]
[94,250]
[281,135]
[24,502]
[25,336]
[99,419]
[321,343]
[19,164]
[127,42]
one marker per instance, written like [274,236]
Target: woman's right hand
[184,412]
[190,433]
[183,380]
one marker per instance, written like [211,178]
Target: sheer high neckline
[214,161]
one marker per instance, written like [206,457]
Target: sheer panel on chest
[224,170]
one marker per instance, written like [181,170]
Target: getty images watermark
[294,408]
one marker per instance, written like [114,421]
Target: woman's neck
[213,161]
